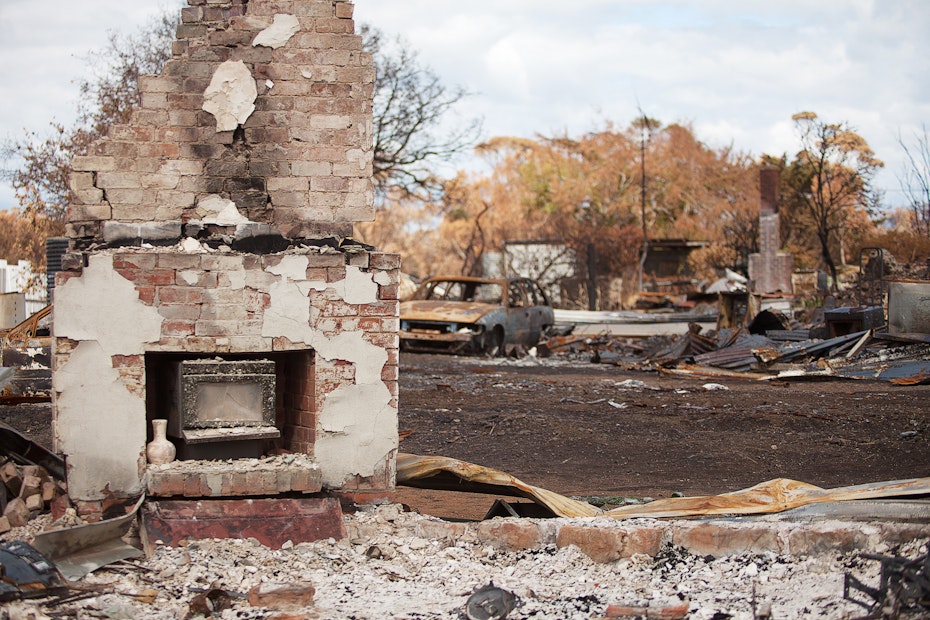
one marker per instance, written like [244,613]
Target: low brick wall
[605,540]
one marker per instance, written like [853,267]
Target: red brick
[271,521]
[179,295]
[344,10]
[165,483]
[177,328]
[813,539]
[335,274]
[59,506]
[386,262]
[613,543]
[327,260]
[282,596]
[391,291]
[718,539]
[389,373]
[511,535]
[669,612]
[146,294]
[142,262]
[153,277]
[90,510]
[389,340]
[128,361]
[383,308]
[195,486]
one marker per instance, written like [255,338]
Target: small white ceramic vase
[160,450]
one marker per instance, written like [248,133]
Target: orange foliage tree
[587,192]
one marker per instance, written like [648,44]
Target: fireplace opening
[232,406]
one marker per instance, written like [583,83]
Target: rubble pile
[387,567]
[27,491]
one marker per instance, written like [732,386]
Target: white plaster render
[100,425]
[118,320]
[279,32]
[231,95]
[236,280]
[214,209]
[358,423]
[192,246]
[358,287]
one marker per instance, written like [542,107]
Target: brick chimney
[215,226]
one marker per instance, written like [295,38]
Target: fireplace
[211,278]
[220,408]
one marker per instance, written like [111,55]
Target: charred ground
[585,429]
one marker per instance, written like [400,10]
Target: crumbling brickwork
[298,163]
[215,224]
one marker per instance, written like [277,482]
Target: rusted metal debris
[901,359]
[444,473]
[903,588]
[27,329]
[25,362]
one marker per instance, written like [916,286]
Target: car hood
[455,312]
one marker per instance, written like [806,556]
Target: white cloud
[737,70]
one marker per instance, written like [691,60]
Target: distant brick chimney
[770,270]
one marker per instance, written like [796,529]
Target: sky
[735,70]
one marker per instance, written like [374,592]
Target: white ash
[382,570]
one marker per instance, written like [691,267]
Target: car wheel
[493,345]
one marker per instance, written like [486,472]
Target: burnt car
[457,314]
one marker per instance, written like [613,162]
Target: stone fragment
[34,503]
[50,491]
[32,485]
[16,512]
[231,95]
[214,209]
[282,596]
[279,32]
[60,506]
[11,477]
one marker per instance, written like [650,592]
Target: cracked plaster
[279,32]
[231,95]
[118,321]
[358,422]
[89,387]
[94,406]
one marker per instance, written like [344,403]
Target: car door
[540,311]
[518,312]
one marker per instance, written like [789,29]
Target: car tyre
[493,343]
